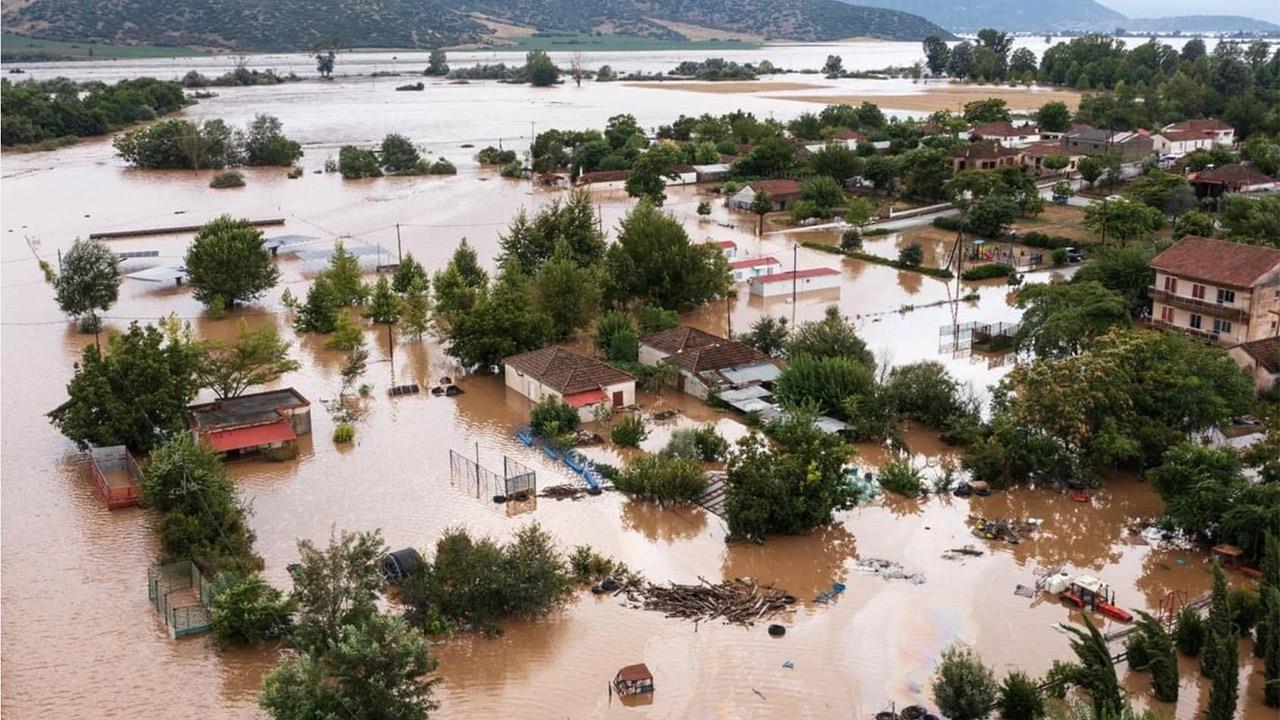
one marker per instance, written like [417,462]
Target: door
[617,398]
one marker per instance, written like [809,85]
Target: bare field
[948,97]
[726,88]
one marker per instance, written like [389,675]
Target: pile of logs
[737,601]
[563,492]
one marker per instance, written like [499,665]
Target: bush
[911,256]
[701,443]
[629,432]
[588,566]
[245,609]
[493,156]
[663,477]
[1020,698]
[354,162]
[1246,608]
[552,418]
[344,432]
[1038,239]
[948,222]
[851,239]
[231,179]
[964,688]
[1135,649]
[512,170]
[900,478]
[988,271]
[442,167]
[654,319]
[1189,632]
[1059,256]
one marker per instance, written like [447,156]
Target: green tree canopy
[257,358]
[89,281]
[654,260]
[530,241]
[566,292]
[539,68]
[964,687]
[832,336]
[266,144]
[227,264]
[1061,317]
[503,322]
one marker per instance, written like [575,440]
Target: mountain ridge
[252,25]
[1060,15]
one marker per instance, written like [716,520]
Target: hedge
[1049,242]
[922,269]
[988,271]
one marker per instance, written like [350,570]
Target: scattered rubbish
[827,596]
[762,697]
[565,492]
[776,630]
[667,414]
[913,712]
[1135,539]
[974,487]
[889,570]
[396,565]
[967,550]
[789,665]
[737,601]
[398,390]
[586,437]
[1081,496]
[633,680]
[1024,591]
[1010,531]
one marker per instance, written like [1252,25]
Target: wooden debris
[563,492]
[738,601]
[1010,531]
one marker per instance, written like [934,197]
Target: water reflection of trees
[803,565]
[667,524]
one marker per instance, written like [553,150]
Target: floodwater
[79,639]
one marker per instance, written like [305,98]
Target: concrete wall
[777,289]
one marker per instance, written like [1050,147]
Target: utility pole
[795,252]
[728,314]
[399,249]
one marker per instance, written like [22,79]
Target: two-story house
[1131,147]
[1005,133]
[1214,129]
[1217,290]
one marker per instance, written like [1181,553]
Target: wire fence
[514,491]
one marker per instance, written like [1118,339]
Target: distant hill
[1008,15]
[1201,24]
[299,24]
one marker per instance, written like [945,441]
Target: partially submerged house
[1261,359]
[728,248]
[706,361]
[783,194]
[747,268]
[799,281]
[1217,290]
[715,172]
[257,422]
[583,382]
[603,180]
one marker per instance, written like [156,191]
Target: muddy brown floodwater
[79,639]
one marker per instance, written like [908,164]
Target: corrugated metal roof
[162,273]
[763,372]
[251,437]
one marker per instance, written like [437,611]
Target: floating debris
[737,601]
[564,492]
[827,596]
[889,570]
[957,553]
[1010,531]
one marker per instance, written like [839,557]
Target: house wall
[1178,312]
[685,178]
[1263,380]
[742,274]
[300,419]
[776,289]
[1165,146]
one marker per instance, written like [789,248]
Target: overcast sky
[1262,9]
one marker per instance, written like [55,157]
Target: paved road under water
[79,639]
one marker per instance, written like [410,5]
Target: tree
[89,281]
[1090,168]
[1221,661]
[416,319]
[704,209]
[335,587]
[1054,116]
[265,143]
[246,610]
[1124,271]
[1254,220]
[325,58]
[789,485]
[1020,698]
[408,272]
[398,155]
[539,69]
[257,358]
[319,312]
[530,241]
[502,322]
[650,171]
[135,394]
[924,171]
[355,163]
[346,334]
[437,64]
[961,60]
[990,216]
[384,307]
[986,111]
[1060,318]
[768,335]
[180,145]
[378,669]
[654,260]
[832,336]
[925,392]
[911,256]
[936,54]
[1057,163]
[663,477]
[964,687]
[344,275]
[629,432]
[1161,657]
[996,41]
[551,418]
[1124,220]
[833,66]
[566,292]
[227,264]
[881,170]
[1095,673]
[1193,223]
[1022,65]
[826,382]
[836,160]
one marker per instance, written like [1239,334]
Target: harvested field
[948,97]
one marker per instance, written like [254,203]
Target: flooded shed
[116,477]
[268,421]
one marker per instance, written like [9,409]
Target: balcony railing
[1207,335]
[1236,313]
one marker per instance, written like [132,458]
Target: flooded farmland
[80,640]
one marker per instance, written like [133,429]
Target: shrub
[588,566]
[442,167]
[344,432]
[230,179]
[1135,649]
[1059,256]
[948,222]
[1189,632]
[552,417]
[851,239]
[1246,608]
[629,432]
[245,609]
[701,443]
[1038,239]
[964,688]
[900,478]
[354,162]
[652,319]
[663,477]
[512,170]
[911,256]
[493,156]
[1020,698]
[988,271]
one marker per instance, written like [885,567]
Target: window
[1171,285]
[1166,314]
[1197,292]
[1226,297]
[1222,327]
[1195,321]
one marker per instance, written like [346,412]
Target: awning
[251,437]
[585,398]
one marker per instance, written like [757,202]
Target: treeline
[396,155]
[238,77]
[185,145]
[34,112]
[1151,85]
[538,70]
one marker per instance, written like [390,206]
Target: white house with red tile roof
[1180,142]
[582,381]
[1005,133]
[1217,290]
[807,280]
[1214,129]
[728,247]
[753,267]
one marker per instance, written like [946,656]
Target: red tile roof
[1003,129]
[566,371]
[1045,149]
[251,437]
[600,176]
[698,351]
[1201,125]
[726,245]
[797,274]
[776,188]
[1266,352]
[1217,261]
[752,262]
[1183,135]
[1234,174]
[681,338]
[983,151]
[634,673]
